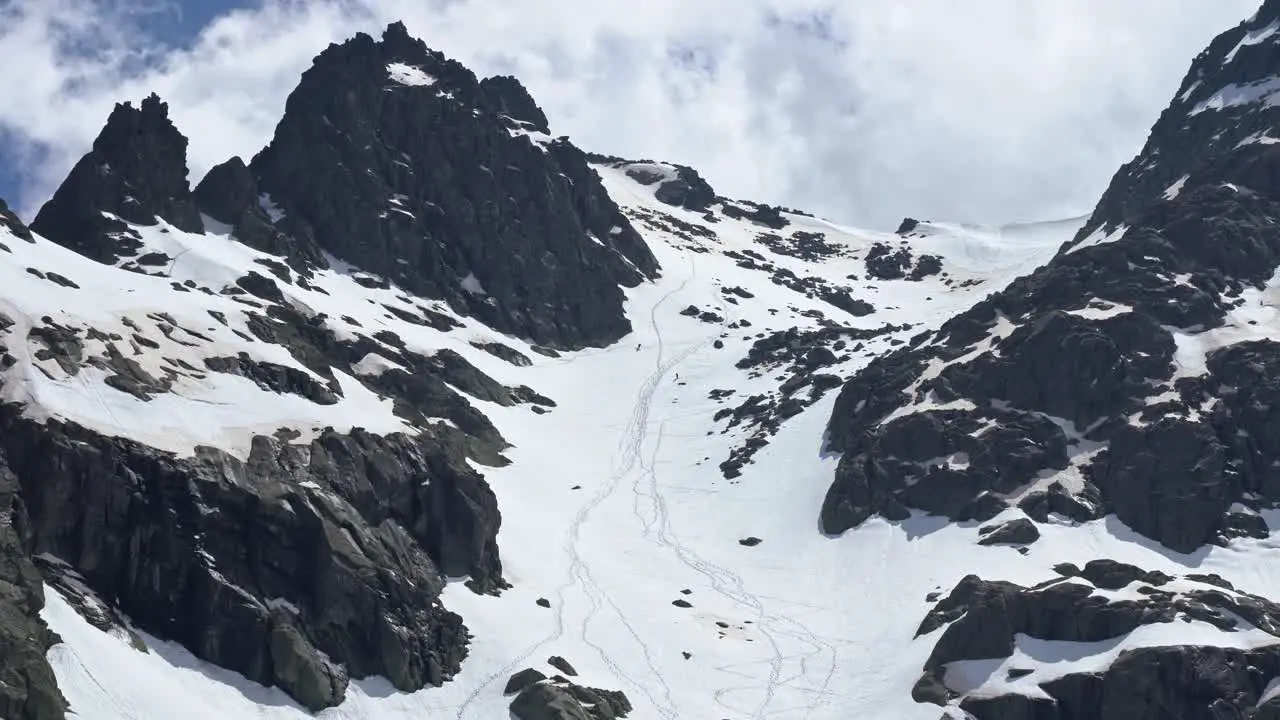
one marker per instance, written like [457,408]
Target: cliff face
[299,563]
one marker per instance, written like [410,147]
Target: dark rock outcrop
[687,190]
[28,689]
[1200,125]
[298,567]
[983,619]
[229,194]
[886,263]
[504,95]
[11,222]
[567,701]
[524,679]
[137,171]
[676,185]
[1108,360]
[801,354]
[1015,532]
[438,186]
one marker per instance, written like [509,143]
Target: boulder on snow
[567,701]
[521,680]
[562,665]
[1015,532]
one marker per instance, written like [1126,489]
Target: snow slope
[613,506]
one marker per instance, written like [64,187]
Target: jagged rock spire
[136,171]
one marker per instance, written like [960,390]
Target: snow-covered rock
[371,425]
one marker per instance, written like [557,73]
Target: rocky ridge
[352,531]
[1127,378]
[1115,379]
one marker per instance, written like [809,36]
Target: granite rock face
[1219,106]
[1114,379]
[394,158]
[28,689]
[299,567]
[229,194]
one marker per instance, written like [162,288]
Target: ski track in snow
[579,570]
[799,627]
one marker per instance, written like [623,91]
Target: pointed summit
[396,32]
[399,160]
[136,171]
[508,97]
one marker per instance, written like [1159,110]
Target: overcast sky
[864,111]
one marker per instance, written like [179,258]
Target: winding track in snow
[579,571]
[732,587]
[723,581]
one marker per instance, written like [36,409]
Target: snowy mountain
[424,412]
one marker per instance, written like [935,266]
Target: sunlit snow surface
[817,627]
[408,75]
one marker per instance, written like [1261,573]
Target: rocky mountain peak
[229,194]
[1228,103]
[136,172]
[1114,379]
[396,158]
[508,97]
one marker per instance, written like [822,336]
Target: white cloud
[860,110]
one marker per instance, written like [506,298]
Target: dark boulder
[562,665]
[547,702]
[688,190]
[1015,532]
[1167,481]
[567,701]
[1081,506]
[522,680]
